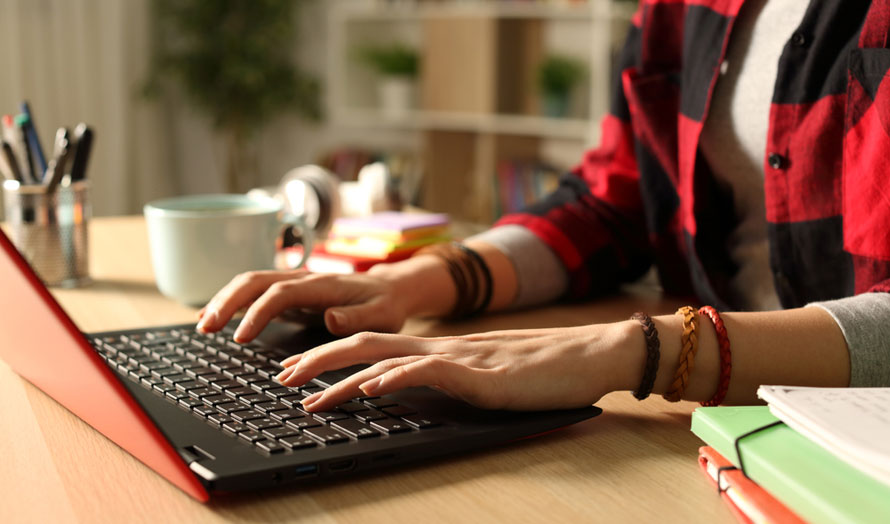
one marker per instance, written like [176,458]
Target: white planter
[396,96]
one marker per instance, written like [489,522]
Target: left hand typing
[531,369]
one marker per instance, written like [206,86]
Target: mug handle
[307,236]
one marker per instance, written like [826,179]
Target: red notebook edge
[41,343]
[749,502]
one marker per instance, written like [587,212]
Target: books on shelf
[518,184]
[801,474]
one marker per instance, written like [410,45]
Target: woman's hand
[519,370]
[351,303]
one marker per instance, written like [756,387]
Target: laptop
[205,413]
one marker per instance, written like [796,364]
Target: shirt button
[776,161]
[799,39]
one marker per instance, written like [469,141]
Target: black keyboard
[231,386]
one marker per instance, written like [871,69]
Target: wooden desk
[634,463]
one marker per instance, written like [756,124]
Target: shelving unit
[477,105]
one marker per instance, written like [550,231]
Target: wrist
[421,285]
[629,355]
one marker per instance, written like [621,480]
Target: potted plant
[557,77]
[233,61]
[398,66]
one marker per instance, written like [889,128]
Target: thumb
[370,316]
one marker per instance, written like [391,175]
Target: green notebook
[805,477]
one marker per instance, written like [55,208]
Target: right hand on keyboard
[351,303]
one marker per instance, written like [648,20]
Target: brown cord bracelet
[687,355]
[653,355]
[470,274]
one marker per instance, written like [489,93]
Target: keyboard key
[175,379]
[176,396]
[164,388]
[380,403]
[355,429]
[352,407]
[189,403]
[326,435]
[190,385]
[398,411]
[228,407]
[241,391]
[263,423]
[279,391]
[212,377]
[224,366]
[303,423]
[186,365]
[235,427]
[280,432]
[292,400]
[286,415]
[255,398]
[298,442]
[219,419]
[421,422]
[262,387]
[269,446]
[162,372]
[329,416]
[391,425]
[213,400]
[203,411]
[203,392]
[245,415]
[270,407]
[224,385]
[251,435]
[250,379]
[368,416]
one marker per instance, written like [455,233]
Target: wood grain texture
[634,463]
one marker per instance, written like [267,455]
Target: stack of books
[811,455]
[357,244]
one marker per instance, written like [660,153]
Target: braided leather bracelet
[653,355]
[725,356]
[687,355]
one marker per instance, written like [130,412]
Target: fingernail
[339,319]
[369,387]
[284,374]
[242,331]
[312,399]
[208,320]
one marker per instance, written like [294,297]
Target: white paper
[851,423]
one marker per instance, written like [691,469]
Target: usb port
[306,470]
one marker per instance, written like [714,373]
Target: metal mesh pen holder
[50,230]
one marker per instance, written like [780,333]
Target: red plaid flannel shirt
[646,194]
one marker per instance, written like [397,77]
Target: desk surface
[634,463]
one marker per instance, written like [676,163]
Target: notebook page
[852,423]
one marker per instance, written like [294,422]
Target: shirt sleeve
[595,221]
[865,322]
[540,275]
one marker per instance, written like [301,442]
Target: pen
[11,163]
[83,137]
[12,138]
[56,168]
[34,139]
[21,122]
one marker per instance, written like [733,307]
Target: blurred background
[475,106]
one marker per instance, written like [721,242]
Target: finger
[242,290]
[291,360]
[456,380]
[370,316]
[361,348]
[348,388]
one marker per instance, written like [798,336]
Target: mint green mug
[200,242]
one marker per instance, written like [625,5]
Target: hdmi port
[342,465]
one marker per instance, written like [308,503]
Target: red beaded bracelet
[725,356]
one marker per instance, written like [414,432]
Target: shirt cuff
[540,275]
[865,322]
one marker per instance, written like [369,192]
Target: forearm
[801,347]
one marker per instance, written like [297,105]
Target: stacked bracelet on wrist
[725,355]
[653,355]
[687,355]
[470,275]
